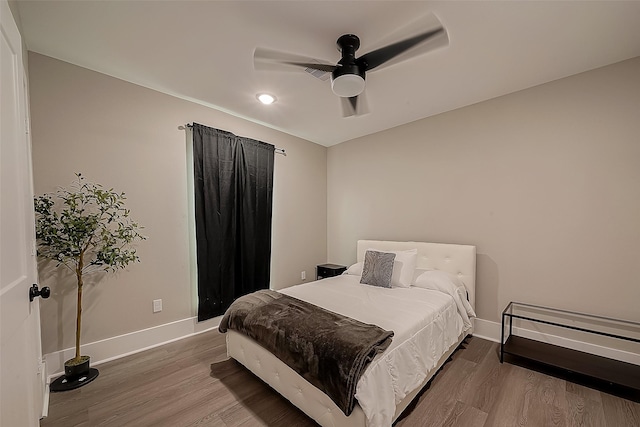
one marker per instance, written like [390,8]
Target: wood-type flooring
[190,382]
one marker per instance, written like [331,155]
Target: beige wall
[13,6]
[545,182]
[125,136]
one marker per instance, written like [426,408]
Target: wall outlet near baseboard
[157,305]
[303,275]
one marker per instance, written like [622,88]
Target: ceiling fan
[348,75]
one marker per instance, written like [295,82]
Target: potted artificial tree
[85,229]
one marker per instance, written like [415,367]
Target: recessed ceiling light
[265,98]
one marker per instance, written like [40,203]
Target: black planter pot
[75,375]
[73,371]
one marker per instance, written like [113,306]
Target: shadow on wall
[59,279]
[487,285]
[62,282]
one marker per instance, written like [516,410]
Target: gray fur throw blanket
[329,350]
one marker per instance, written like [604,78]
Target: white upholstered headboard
[455,259]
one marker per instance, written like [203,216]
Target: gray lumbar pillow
[377,268]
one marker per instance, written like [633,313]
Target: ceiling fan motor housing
[347,80]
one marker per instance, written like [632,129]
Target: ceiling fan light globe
[347,85]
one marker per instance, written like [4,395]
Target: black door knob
[35,292]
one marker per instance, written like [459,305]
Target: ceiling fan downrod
[347,80]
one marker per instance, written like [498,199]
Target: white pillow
[355,269]
[417,272]
[449,284]
[403,267]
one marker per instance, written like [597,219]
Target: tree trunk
[79,268]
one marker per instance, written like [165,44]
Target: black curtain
[233,198]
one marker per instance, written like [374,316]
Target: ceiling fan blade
[327,68]
[378,57]
[420,36]
[354,106]
[273,60]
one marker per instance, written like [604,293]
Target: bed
[381,396]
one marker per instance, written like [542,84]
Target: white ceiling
[203,51]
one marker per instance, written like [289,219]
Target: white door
[21,382]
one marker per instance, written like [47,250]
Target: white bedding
[425,324]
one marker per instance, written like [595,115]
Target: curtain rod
[277,150]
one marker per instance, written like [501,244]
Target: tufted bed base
[298,391]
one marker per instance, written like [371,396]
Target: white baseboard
[489,330]
[134,342]
[131,343]
[486,329]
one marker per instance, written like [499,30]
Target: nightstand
[329,270]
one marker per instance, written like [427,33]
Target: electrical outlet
[157,305]
[303,275]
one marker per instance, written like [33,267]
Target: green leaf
[86,221]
